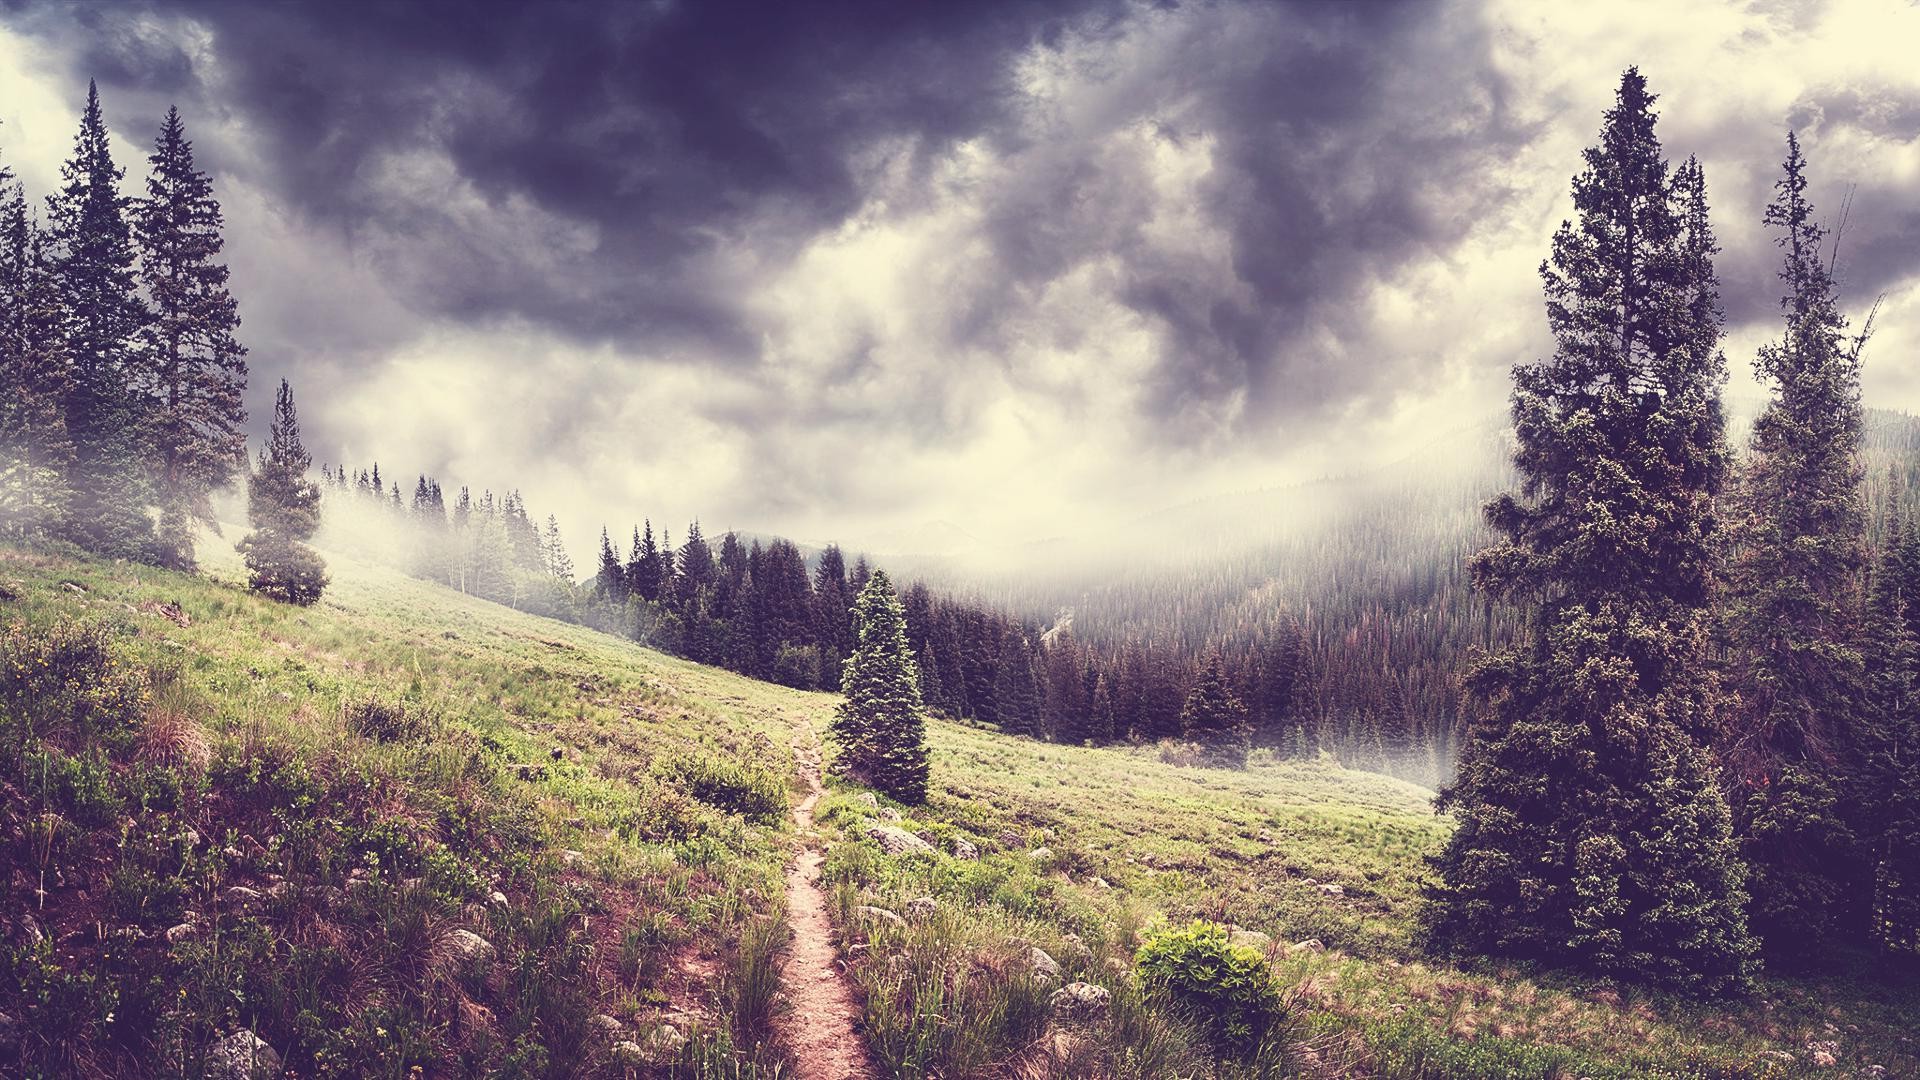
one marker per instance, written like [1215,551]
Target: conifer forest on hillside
[1577,736]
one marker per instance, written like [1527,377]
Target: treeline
[120,405]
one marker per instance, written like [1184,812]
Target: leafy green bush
[1226,990]
[64,684]
[384,723]
[754,793]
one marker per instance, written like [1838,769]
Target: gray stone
[964,849]
[1080,1004]
[470,947]
[1252,939]
[1312,944]
[896,841]
[1009,838]
[1040,854]
[1042,965]
[180,933]
[889,815]
[880,914]
[627,1052]
[921,908]
[242,1056]
[1100,883]
[1076,950]
[664,1043]
[606,1027]
[868,800]
[497,898]
[240,894]
[1332,890]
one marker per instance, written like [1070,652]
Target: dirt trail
[819,1029]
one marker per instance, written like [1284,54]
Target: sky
[910,274]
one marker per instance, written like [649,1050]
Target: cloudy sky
[849,270]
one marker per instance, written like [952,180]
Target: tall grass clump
[756,794]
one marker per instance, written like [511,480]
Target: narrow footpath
[819,1026]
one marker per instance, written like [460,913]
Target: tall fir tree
[1888,791]
[610,581]
[105,406]
[284,508]
[880,728]
[36,454]
[199,369]
[1591,827]
[1794,580]
[1214,718]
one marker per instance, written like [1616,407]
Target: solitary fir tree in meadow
[36,454]
[284,507]
[1214,719]
[1793,597]
[880,729]
[93,260]
[198,369]
[1591,826]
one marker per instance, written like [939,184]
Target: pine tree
[1889,750]
[1016,691]
[559,563]
[646,571]
[93,260]
[879,728]
[199,368]
[1592,830]
[1794,586]
[610,583]
[1214,718]
[36,455]
[284,508]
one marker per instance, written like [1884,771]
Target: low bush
[1226,990]
[754,793]
[384,722]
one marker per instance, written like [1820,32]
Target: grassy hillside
[224,816]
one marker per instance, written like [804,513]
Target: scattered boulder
[628,1053]
[1076,950]
[1009,838]
[606,1027]
[497,898]
[1331,889]
[1043,965]
[880,914]
[470,947]
[964,849]
[180,933]
[571,859]
[1040,854]
[1252,939]
[1100,883]
[1080,1004]
[922,908]
[869,800]
[1312,944]
[889,815]
[242,1055]
[664,1043]
[896,841]
[240,894]
[1824,1055]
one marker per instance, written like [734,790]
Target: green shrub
[64,684]
[384,723]
[754,793]
[1226,990]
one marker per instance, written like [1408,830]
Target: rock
[606,1027]
[571,859]
[1332,890]
[1100,883]
[1312,944]
[921,908]
[869,800]
[1076,950]
[497,898]
[1824,1055]
[470,947]
[1266,836]
[1080,1004]
[180,933]
[190,837]
[664,1043]
[1043,965]
[880,914]
[240,894]
[1778,1056]
[556,754]
[1118,967]
[627,1052]
[1009,838]
[889,815]
[1252,939]
[896,841]
[1040,854]
[242,1056]
[964,849]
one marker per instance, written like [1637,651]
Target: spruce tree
[1591,827]
[1016,690]
[1793,591]
[610,582]
[880,728]
[1214,718]
[284,508]
[36,454]
[1889,750]
[105,406]
[198,367]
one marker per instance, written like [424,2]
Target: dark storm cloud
[1352,139]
